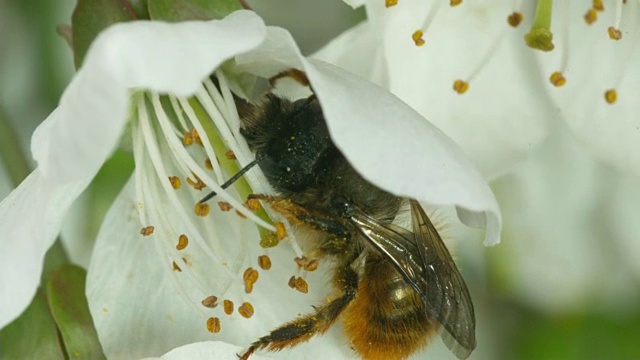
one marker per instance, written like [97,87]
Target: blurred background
[563,284]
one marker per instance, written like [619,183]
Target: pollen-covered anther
[264,262]
[213,325]
[230,155]
[455,2]
[557,79]
[460,86]
[390,3]
[614,34]
[591,16]
[183,241]
[515,19]
[307,264]
[281,232]
[253,204]
[175,182]
[147,230]
[417,37]
[269,240]
[208,164]
[598,5]
[202,209]
[246,310]
[196,136]
[299,284]
[210,302]
[228,307]
[187,139]
[611,96]
[250,277]
[197,183]
[241,215]
[176,267]
[224,206]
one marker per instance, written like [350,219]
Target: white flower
[144,292]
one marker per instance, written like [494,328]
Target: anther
[269,240]
[210,302]
[307,264]
[264,262]
[515,18]
[417,38]
[299,284]
[208,164]
[176,267]
[390,3]
[213,325]
[591,16]
[281,232]
[246,310]
[202,209]
[197,183]
[453,3]
[598,5]
[253,204]
[228,307]
[147,230]
[224,206]
[250,277]
[557,79]
[614,34]
[460,86]
[611,96]
[183,241]
[175,182]
[230,155]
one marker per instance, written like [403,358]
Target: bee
[394,289]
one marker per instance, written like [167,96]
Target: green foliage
[180,10]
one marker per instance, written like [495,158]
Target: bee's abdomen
[387,319]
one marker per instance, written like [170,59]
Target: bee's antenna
[232,179]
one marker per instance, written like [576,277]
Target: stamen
[417,38]
[202,209]
[250,277]
[147,230]
[307,264]
[254,205]
[614,31]
[210,302]
[515,19]
[591,16]
[540,36]
[213,325]
[460,86]
[557,79]
[175,182]
[611,96]
[197,184]
[228,307]
[224,206]
[598,5]
[390,3]
[417,35]
[264,262]
[299,284]
[183,242]
[246,310]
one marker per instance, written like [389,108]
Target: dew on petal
[210,302]
[455,2]
[202,209]
[611,96]
[307,264]
[230,155]
[246,310]
[460,86]
[390,3]
[591,16]
[557,79]
[614,34]
[175,182]
[224,206]
[298,283]
[264,262]
[176,267]
[228,307]
[417,37]
[147,230]
[183,241]
[213,325]
[515,18]
[281,232]
[208,164]
[250,277]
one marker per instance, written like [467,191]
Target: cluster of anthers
[195,140]
[540,36]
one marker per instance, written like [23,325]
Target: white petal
[207,350]
[73,142]
[611,131]
[354,3]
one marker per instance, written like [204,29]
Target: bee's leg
[299,76]
[318,322]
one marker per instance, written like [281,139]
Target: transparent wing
[425,263]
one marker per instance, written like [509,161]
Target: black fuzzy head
[291,140]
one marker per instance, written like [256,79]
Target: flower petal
[73,142]
[206,350]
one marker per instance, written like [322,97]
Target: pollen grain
[611,96]
[460,86]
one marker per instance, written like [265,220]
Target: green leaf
[11,154]
[181,10]
[92,16]
[70,310]
[140,8]
[33,335]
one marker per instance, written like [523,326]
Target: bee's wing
[425,263]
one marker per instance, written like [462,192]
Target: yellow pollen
[514,19]
[281,232]
[417,38]
[591,16]
[224,206]
[176,267]
[390,3]
[246,310]
[614,34]
[250,277]
[557,79]
[208,164]
[253,204]
[455,2]
[299,284]
[175,182]
[228,307]
[183,241]
[611,96]
[147,230]
[269,240]
[460,86]
[202,209]
[213,325]
[210,302]
[265,262]
[598,5]
[188,138]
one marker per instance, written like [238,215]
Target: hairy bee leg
[299,76]
[318,322]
